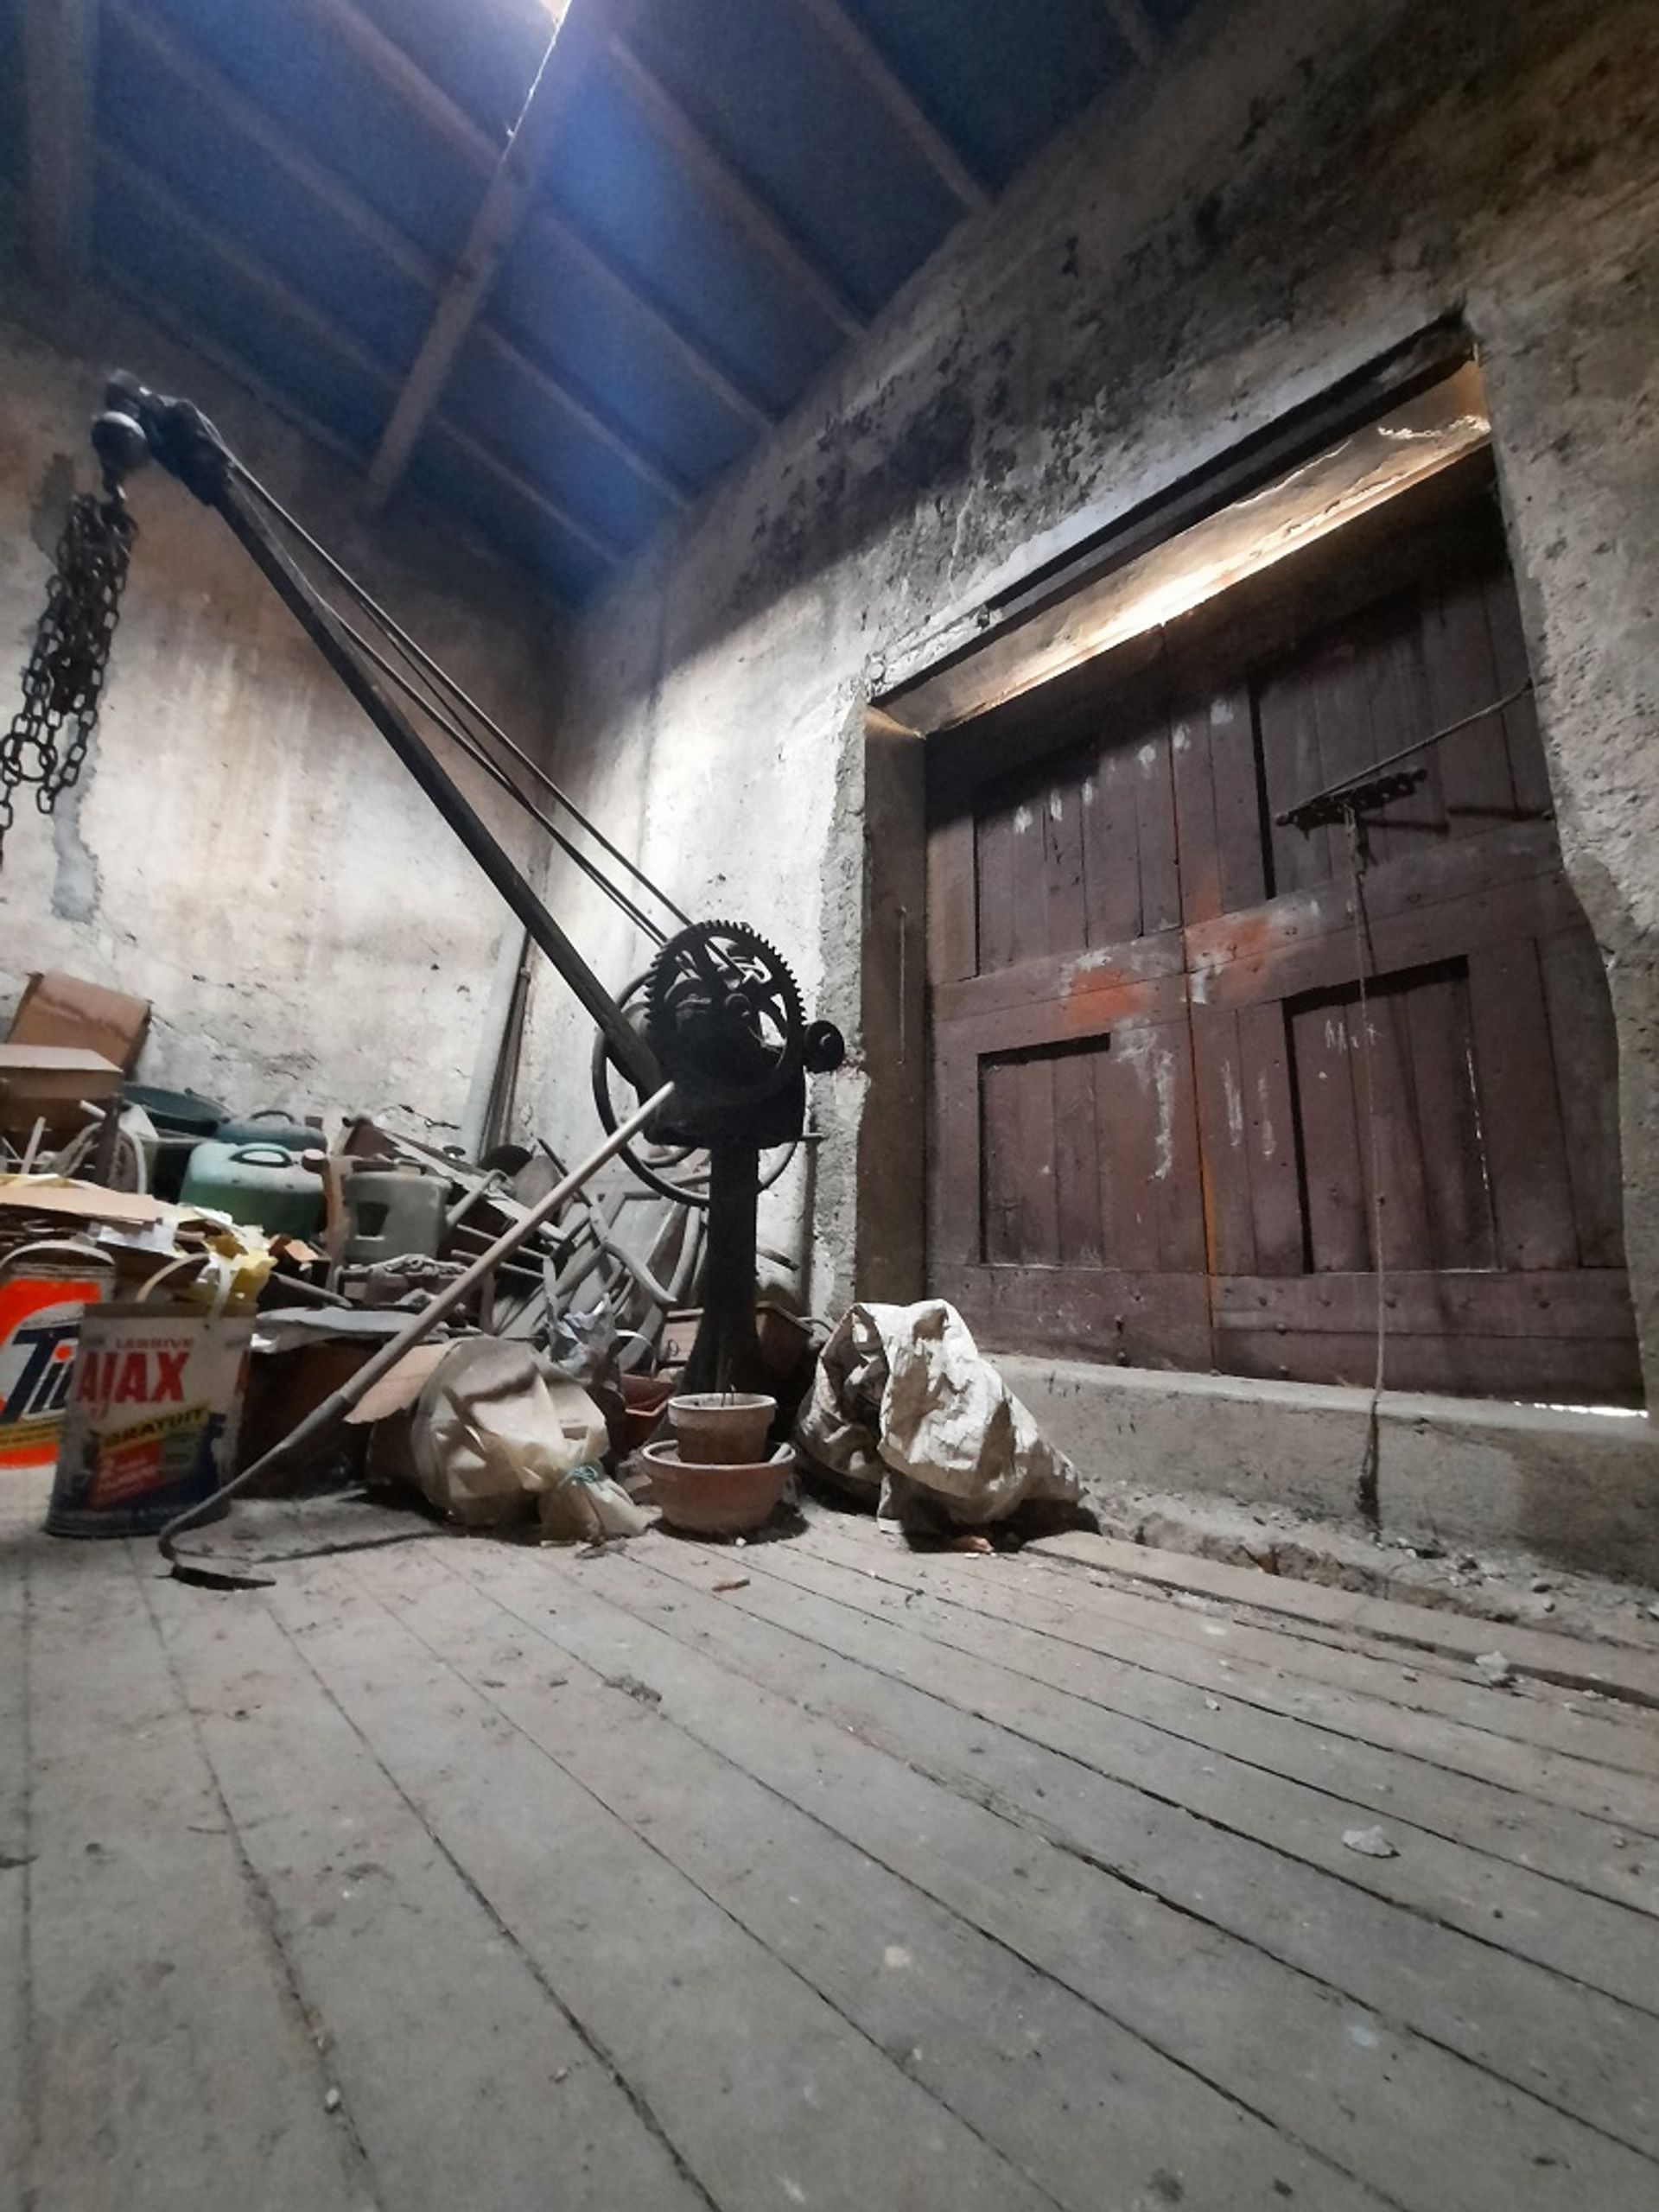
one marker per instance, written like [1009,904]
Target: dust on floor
[811,1872]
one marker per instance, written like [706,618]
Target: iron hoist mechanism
[718,1015]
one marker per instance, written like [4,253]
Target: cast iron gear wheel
[658,1175]
[723,1012]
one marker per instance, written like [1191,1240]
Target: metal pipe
[633,1056]
[420,1325]
[443,675]
[476,753]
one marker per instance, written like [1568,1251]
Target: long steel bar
[419,1327]
[632,1055]
[443,676]
[498,775]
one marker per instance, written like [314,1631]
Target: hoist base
[726,1353]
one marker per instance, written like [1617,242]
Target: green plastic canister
[271,1125]
[261,1185]
[394,1211]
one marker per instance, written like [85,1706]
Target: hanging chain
[63,682]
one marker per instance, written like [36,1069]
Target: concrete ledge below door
[1580,1490]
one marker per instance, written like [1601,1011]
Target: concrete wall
[1295,188]
[243,849]
[1575,1489]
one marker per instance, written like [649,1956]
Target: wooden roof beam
[1136,28]
[293,307]
[881,78]
[728,191]
[60,43]
[384,59]
[350,208]
[462,295]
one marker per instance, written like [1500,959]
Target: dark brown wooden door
[1161,1124]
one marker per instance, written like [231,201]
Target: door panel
[1168,1123]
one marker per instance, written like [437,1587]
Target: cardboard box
[48,1083]
[59,1009]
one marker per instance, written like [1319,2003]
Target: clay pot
[713,1501]
[645,1396]
[721,1428]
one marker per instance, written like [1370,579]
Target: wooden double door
[1181,1088]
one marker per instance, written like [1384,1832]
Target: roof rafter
[724,185]
[387,61]
[855,46]
[342,201]
[468,284]
[59,42]
[295,309]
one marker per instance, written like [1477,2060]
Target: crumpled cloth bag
[904,1411]
[497,1426]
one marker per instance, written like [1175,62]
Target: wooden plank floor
[814,1873]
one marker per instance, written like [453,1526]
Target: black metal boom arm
[138,425]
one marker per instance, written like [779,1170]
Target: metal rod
[419,1327]
[476,753]
[441,675]
[632,1055]
[1418,745]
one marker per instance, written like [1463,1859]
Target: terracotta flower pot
[721,1428]
[645,1397]
[713,1501]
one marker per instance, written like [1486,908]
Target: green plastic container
[262,1185]
[272,1125]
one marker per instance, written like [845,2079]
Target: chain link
[63,682]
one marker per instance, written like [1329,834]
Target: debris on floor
[1370,1843]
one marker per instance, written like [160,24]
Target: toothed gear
[724,1012]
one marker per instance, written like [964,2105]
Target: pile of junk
[196,1304]
[285,1258]
[185,1294]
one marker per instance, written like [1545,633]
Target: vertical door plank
[993,867]
[1400,717]
[952,940]
[1195,829]
[1239,828]
[955,1178]
[1063,862]
[1155,806]
[1276,1184]
[1461,1229]
[1287,719]
[1458,662]
[1322,1049]
[1017,1111]
[1223,1137]
[1384,1085]
[1340,679]
[1077,1176]
[1175,1166]
[1126,1146]
[1111,850]
[1029,871]
[999,1140]
[1520,1111]
[1586,1052]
